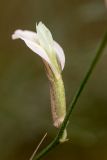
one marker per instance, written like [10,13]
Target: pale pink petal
[29,38]
[40,51]
[60,54]
[28,35]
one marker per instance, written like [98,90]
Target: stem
[55,142]
[34,153]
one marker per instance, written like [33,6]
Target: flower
[42,43]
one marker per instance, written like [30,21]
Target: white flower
[43,44]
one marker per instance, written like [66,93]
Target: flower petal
[40,51]
[44,37]
[60,54]
[28,35]
[30,39]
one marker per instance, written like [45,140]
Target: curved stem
[55,142]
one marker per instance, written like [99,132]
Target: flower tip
[13,36]
[16,34]
[41,27]
[38,25]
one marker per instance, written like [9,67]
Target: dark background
[78,25]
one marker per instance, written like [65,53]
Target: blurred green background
[25,116]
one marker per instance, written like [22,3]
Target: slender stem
[55,142]
[34,153]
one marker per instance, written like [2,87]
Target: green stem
[55,142]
